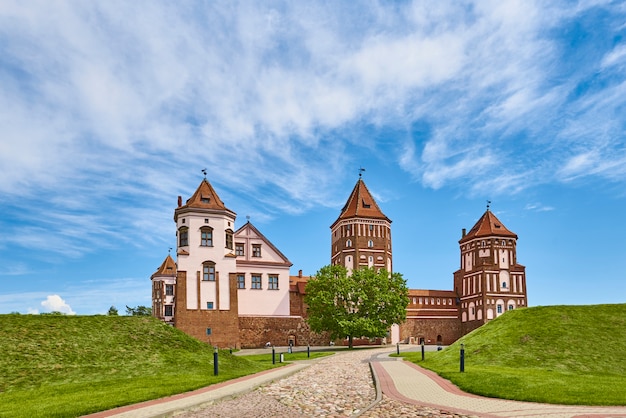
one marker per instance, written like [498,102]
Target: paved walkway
[404,383]
[409,383]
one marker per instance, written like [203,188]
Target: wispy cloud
[105,121]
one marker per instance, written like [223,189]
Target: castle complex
[232,288]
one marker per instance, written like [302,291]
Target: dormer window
[366,205]
[205,199]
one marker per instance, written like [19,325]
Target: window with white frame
[256,281]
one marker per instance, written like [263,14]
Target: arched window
[370,243]
[229,239]
[206,236]
[183,237]
[208,271]
[348,243]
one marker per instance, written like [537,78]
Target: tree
[365,303]
[138,311]
[113,311]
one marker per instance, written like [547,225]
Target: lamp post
[215,366]
[462,357]
[422,350]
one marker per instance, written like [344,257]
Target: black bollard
[398,348]
[308,350]
[273,355]
[215,366]
[422,350]
[462,357]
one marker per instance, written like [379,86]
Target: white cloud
[101,111]
[54,303]
[538,207]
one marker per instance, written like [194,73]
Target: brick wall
[224,324]
[429,329]
[255,331]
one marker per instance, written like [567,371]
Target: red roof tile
[167,268]
[361,204]
[488,225]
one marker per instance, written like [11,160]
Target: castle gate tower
[361,236]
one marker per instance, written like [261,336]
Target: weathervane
[248,218]
[169,251]
[361,170]
[204,172]
[488,203]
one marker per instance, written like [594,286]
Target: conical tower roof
[361,204]
[204,198]
[167,268]
[487,226]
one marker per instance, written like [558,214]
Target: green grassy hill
[73,365]
[555,354]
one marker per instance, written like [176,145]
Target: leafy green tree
[113,311]
[365,303]
[138,311]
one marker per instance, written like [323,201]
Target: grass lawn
[554,354]
[64,366]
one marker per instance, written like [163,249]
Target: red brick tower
[361,236]
[490,281]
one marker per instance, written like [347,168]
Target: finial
[204,172]
[488,203]
[361,170]
[248,218]
[169,251]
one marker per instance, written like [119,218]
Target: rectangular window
[241,281]
[229,239]
[208,272]
[206,237]
[168,310]
[169,289]
[256,250]
[208,331]
[272,282]
[239,248]
[256,281]
[183,237]
[209,305]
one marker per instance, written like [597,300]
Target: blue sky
[110,110]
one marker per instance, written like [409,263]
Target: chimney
[464,233]
[180,201]
[299,273]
